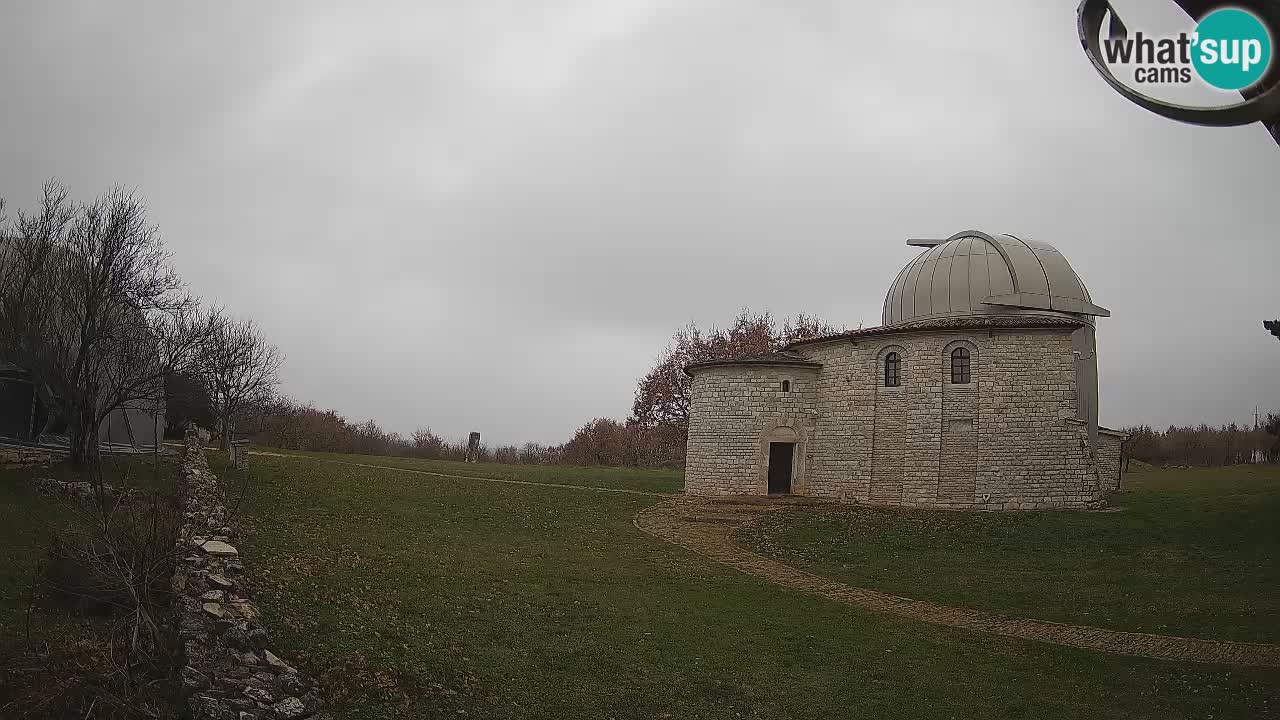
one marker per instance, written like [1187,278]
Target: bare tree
[241,368]
[93,311]
[91,307]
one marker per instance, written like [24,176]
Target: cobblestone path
[706,527]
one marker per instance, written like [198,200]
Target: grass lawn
[655,481]
[1192,552]
[418,596]
[26,519]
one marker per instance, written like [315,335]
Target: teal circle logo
[1232,49]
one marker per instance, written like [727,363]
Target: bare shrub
[240,369]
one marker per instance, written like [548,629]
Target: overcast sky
[492,216]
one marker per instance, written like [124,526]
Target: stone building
[979,391]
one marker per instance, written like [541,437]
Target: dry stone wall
[228,670]
[1009,439]
[21,457]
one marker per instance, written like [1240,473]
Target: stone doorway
[781,462]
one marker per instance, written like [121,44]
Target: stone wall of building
[1110,458]
[734,411]
[1007,440]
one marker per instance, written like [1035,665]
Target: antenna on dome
[924,242]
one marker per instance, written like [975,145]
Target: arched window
[786,386]
[891,366]
[960,367]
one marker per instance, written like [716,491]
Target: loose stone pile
[229,672]
[12,458]
[67,488]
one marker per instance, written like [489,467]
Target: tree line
[654,435]
[289,425]
[1205,446]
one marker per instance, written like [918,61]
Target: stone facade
[1110,458]
[736,412]
[1021,434]
[1009,439]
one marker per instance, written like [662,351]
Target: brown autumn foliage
[653,437]
[662,396]
[285,424]
[660,412]
[609,443]
[599,442]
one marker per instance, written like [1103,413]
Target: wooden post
[240,454]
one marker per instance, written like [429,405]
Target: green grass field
[26,519]
[1191,552]
[415,595]
[654,481]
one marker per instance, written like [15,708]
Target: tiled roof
[954,323]
[772,358]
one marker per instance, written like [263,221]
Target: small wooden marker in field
[240,454]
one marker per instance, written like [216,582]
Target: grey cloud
[492,215]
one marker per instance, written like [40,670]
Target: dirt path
[706,527]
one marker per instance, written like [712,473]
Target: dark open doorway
[781,455]
[16,398]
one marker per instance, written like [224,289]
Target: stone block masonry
[227,670]
[1010,439]
[734,410]
[1110,457]
[883,419]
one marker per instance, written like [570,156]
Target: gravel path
[706,527]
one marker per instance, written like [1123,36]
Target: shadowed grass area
[28,518]
[1191,552]
[60,658]
[419,596]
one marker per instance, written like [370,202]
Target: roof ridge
[1029,321]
